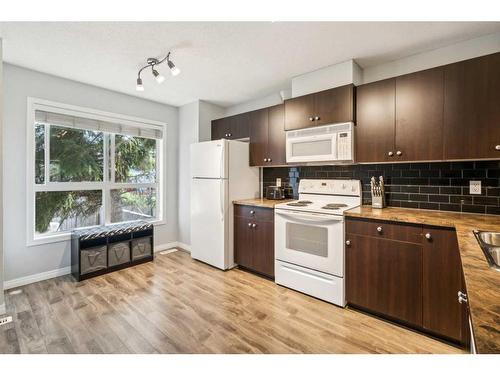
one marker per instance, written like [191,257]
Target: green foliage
[39,154]
[64,204]
[135,159]
[143,201]
[77,155]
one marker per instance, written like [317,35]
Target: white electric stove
[309,238]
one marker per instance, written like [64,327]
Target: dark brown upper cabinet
[321,108]
[233,127]
[419,116]
[276,142]
[472,109]
[221,128]
[240,126]
[267,136]
[375,121]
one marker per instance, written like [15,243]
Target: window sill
[64,237]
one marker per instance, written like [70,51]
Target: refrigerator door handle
[221,163]
[221,198]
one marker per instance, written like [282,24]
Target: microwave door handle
[309,219]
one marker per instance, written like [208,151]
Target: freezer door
[209,221]
[209,159]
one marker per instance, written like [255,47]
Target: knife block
[378,202]
[378,198]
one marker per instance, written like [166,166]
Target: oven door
[311,148]
[310,240]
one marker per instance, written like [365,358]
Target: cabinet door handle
[428,236]
[462,297]
[497,147]
[311,118]
[348,243]
[390,153]
[252,212]
[254,225]
[379,229]
[399,153]
[230,134]
[269,160]
[249,224]
[316,118]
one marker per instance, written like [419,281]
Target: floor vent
[5,320]
[168,251]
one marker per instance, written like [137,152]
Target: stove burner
[299,203]
[334,206]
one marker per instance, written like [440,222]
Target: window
[90,168]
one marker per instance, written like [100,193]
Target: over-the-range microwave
[323,144]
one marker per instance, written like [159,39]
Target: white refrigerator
[220,174]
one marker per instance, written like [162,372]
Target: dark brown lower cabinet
[442,280]
[385,277]
[254,241]
[414,281]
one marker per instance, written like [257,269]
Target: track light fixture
[152,62]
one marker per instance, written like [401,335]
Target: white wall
[2,305]
[326,78]
[208,112]
[188,133]
[469,49]
[194,126]
[251,105]
[19,83]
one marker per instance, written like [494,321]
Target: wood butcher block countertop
[261,202]
[482,282]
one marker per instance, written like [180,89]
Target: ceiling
[222,62]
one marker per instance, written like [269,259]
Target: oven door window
[307,239]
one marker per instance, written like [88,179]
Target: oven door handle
[310,218]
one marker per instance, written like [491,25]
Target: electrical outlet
[278,182]
[474,187]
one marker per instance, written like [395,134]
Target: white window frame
[105,185]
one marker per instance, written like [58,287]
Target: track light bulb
[139,86]
[173,69]
[159,78]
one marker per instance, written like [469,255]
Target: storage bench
[104,249]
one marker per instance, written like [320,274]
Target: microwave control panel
[344,145]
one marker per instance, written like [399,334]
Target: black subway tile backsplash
[435,186]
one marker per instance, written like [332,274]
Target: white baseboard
[184,246]
[14,283]
[9,284]
[2,309]
[171,245]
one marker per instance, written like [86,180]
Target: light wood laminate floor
[178,305]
